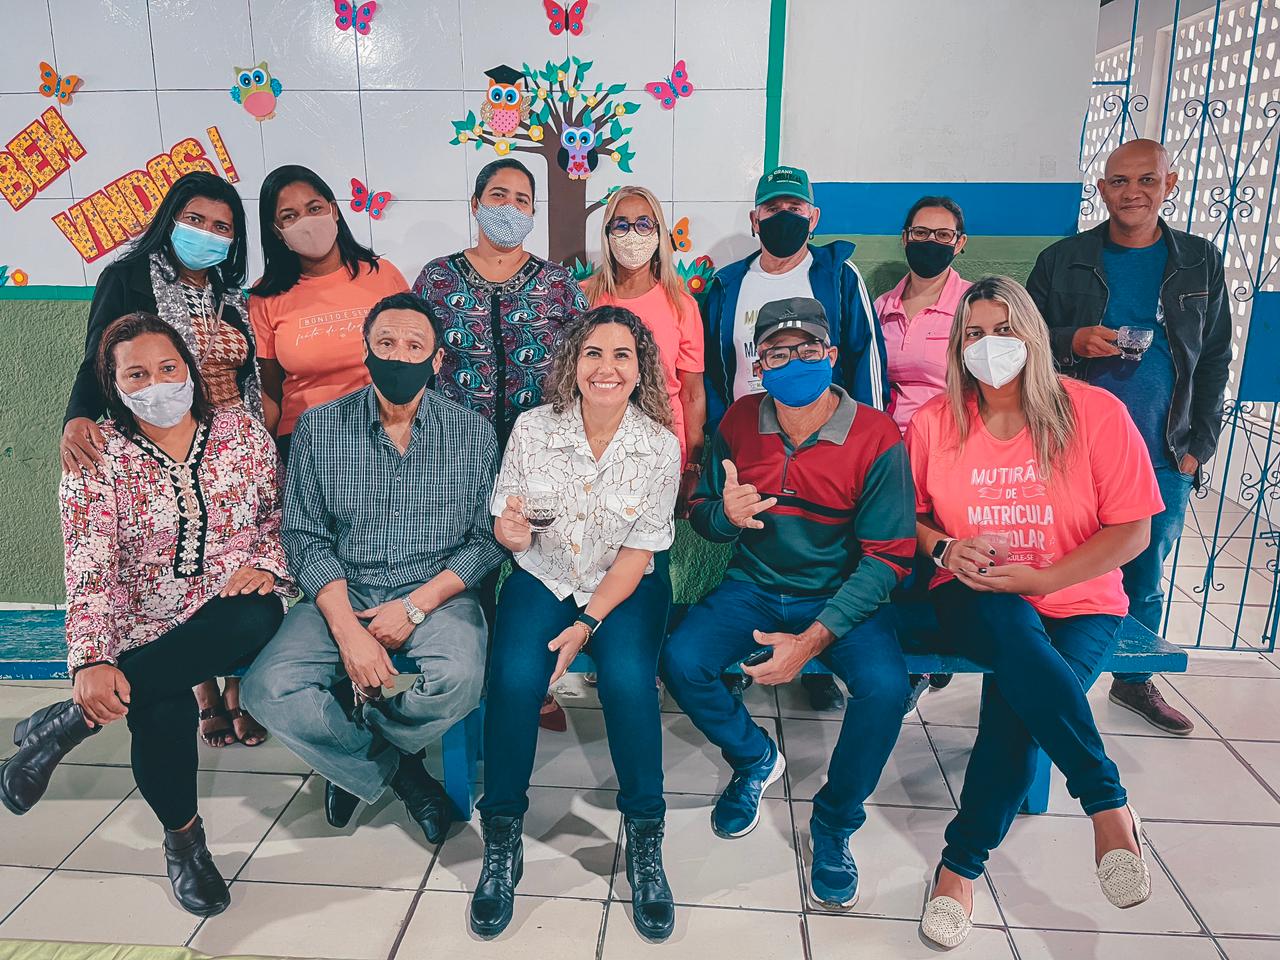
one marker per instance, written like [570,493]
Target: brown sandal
[255,731]
[216,713]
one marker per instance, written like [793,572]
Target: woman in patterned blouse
[187,268]
[585,498]
[173,564]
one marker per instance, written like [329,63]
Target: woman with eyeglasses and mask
[174,569]
[1031,491]
[309,307]
[187,268]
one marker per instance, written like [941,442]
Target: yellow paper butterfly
[53,85]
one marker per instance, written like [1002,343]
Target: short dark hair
[946,203]
[406,301]
[502,163]
[130,327]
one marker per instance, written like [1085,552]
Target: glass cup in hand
[1134,341]
[1000,541]
[540,510]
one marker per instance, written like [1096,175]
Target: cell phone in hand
[763,655]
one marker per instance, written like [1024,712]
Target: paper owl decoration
[578,156]
[256,90]
[505,105]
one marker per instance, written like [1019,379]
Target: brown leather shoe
[1146,701]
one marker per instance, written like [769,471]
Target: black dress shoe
[823,693]
[196,881]
[42,739]
[423,797]
[493,902]
[338,805]
[652,906]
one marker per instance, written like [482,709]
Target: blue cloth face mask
[799,383]
[198,249]
[504,225]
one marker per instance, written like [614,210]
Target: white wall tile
[721,231]
[17,111]
[20,72]
[627,48]
[725,42]
[514,35]
[719,145]
[407,148]
[652,136]
[120,132]
[29,241]
[305,49]
[199,43]
[107,44]
[190,113]
[414,232]
[413,46]
[320,130]
[476,159]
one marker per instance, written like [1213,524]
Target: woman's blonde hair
[650,392]
[604,282]
[1045,404]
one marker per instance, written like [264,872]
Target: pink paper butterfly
[673,88]
[562,19]
[350,15]
[361,200]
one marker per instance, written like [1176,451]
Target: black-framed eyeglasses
[811,351]
[941,234]
[643,226]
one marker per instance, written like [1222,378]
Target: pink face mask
[311,237]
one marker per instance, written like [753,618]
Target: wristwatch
[415,615]
[940,549]
[590,622]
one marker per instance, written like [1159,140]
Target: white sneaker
[944,921]
[1123,875]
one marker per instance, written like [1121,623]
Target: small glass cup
[1134,341]
[1001,542]
[540,509]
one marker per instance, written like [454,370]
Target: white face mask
[161,404]
[996,360]
[632,250]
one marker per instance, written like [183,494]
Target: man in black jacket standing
[1141,309]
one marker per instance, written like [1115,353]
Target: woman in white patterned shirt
[585,499]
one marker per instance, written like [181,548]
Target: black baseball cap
[794,313]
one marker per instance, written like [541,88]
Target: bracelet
[694,468]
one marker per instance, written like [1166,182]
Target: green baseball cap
[784,182]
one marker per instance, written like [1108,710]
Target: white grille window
[1103,130]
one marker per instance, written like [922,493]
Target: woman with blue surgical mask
[188,268]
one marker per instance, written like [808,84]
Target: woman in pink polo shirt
[1031,491]
[916,315]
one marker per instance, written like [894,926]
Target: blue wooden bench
[32,647]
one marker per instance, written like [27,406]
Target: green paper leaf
[587,119]
[631,107]
[615,130]
[616,89]
[583,66]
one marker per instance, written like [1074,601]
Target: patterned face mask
[504,225]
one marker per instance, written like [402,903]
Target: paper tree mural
[574,125]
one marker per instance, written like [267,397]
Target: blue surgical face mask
[198,249]
[504,225]
[799,383]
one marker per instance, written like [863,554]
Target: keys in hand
[742,501]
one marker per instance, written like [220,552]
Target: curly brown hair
[650,393]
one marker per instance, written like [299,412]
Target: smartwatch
[590,622]
[940,549]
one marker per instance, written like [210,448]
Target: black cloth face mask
[928,258]
[784,233]
[398,380]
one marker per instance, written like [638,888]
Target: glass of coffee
[540,509]
[1134,341]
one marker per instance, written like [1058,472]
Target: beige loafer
[1123,875]
[944,920]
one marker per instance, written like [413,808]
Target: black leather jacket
[1070,288]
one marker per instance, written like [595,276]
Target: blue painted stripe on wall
[990,209]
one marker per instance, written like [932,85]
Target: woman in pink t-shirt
[1031,491]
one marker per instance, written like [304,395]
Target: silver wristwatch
[416,616]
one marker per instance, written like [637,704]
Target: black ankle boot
[43,739]
[494,899]
[196,881]
[652,906]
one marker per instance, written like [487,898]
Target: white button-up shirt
[626,499]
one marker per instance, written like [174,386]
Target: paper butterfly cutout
[19,277]
[680,238]
[361,200]
[53,85]
[673,88]
[351,15]
[565,19]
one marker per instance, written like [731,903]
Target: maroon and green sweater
[845,523]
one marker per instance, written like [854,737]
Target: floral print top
[150,540]
[499,337]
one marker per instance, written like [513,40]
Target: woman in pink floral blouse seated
[174,568]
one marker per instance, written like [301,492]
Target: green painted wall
[41,342]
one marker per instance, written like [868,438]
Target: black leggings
[224,635]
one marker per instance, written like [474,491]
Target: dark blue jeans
[1035,695]
[625,651]
[717,634]
[1142,574]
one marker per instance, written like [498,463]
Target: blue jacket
[860,368]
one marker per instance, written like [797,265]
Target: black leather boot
[423,797]
[494,899]
[42,739]
[652,906]
[338,805]
[196,881]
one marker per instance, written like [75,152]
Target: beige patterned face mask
[633,250]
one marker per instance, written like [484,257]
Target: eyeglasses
[643,226]
[942,234]
[811,351]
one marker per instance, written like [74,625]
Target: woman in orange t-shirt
[1031,491]
[309,307]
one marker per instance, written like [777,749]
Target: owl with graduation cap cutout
[505,105]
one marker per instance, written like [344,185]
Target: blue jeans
[1142,574]
[625,651]
[717,634]
[1035,695]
